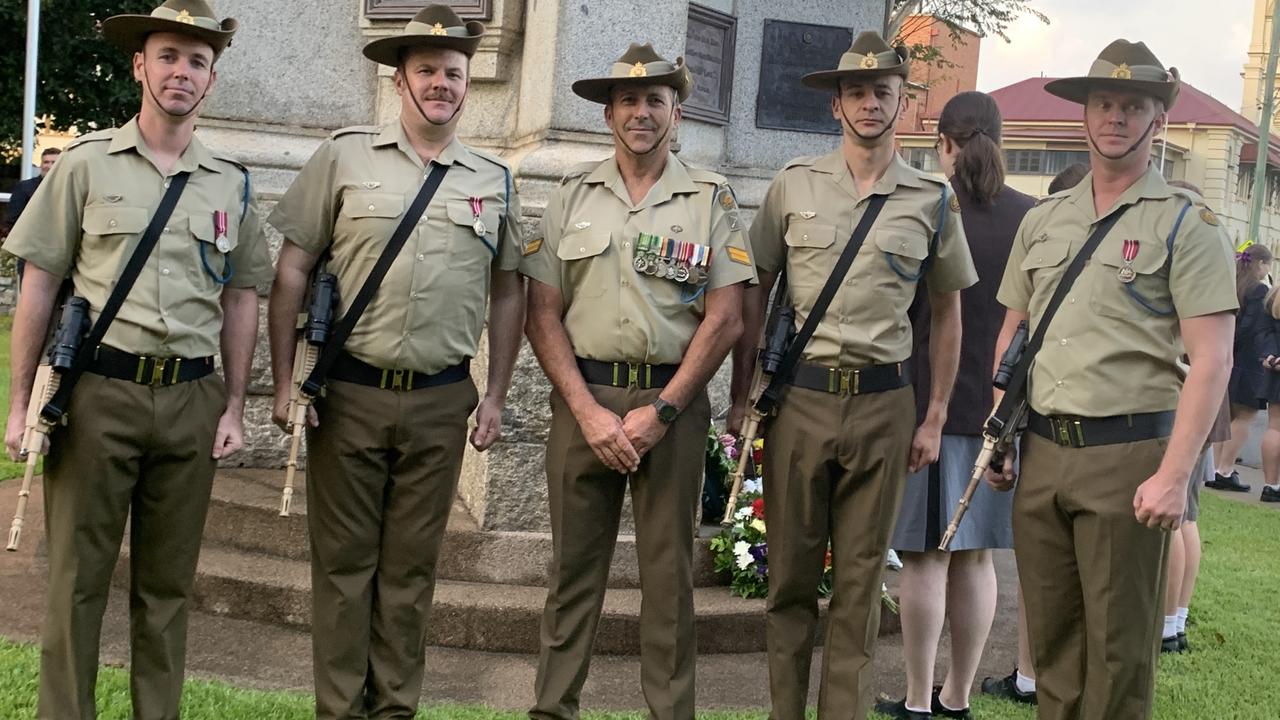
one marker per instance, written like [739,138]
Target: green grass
[1229,675]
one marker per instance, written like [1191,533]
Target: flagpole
[29,89]
[1264,135]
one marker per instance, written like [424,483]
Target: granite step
[475,616]
[244,515]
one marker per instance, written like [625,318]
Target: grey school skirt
[931,496]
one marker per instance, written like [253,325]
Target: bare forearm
[506,322]
[754,301]
[30,326]
[239,336]
[944,352]
[288,292]
[1209,348]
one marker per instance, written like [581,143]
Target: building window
[923,159]
[1244,183]
[1042,162]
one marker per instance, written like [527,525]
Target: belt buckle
[396,379]
[633,375]
[157,370]
[1062,432]
[843,382]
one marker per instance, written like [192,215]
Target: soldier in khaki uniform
[149,419]
[634,302]
[838,451]
[1105,464]
[387,441]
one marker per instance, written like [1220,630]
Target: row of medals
[652,259]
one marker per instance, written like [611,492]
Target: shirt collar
[129,137]
[898,173]
[455,151]
[675,180]
[1151,186]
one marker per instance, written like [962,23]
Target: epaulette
[579,170]
[927,177]
[244,172]
[804,161]
[1060,195]
[365,129]
[95,136]
[1184,193]
[496,160]
[706,176]
[230,160]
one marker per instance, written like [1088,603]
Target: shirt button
[166,230]
[626,321]
[1063,342]
[164,271]
[1039,259]
[166,182]
[626,283]
[804,237]
[848,283]
[111,223]
[626,244]
[1071,300]
[1059,383]
[904,246]
[371,208]
[421,257]
[582,249]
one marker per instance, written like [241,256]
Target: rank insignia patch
[1207,215]
[954,204]
[533,247]
[738,255]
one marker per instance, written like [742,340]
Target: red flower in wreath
[757,508]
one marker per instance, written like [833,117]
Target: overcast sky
[1207,40]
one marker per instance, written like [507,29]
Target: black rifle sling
[56,408]
[311,386]
[769,398]
[1018,380]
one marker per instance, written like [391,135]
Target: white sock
[1274,488]
[1182,619]
[927,711]
[948,707]
[1024,683]
[1170,625]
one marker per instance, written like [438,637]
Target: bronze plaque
[406,9]
[791,50]
[709,48]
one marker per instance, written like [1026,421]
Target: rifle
[779,333]
[72,327]
[999,432]
[315,327]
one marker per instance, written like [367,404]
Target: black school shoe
[940,710]
[1269,495]
[1170,645]
[1007,688]
[1183,645]
[898,709]
[1228,482]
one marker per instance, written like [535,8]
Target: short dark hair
[1068,178]
[51,151]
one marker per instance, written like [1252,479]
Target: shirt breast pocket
[211,262]
[904,250]
[369,218]
[585,271]
[809,257]
[1045,259]
[471,245]
[1146,295]
[108,234]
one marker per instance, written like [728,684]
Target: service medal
[477,207]
[220,239]
[682,273]
[640,263]
[1130,253]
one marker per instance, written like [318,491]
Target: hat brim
[1076,89]
[830,79]
[598,90]
[387,50]
[129,32]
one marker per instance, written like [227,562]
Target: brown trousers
[1092,578]
[136,453]
[835,469]
[586,506]
[382,469]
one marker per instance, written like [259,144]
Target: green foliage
[983,18]
[83,81]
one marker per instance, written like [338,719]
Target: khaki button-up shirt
[1110,348]
[91,211]
[349,198]
[807,220]
[614,313]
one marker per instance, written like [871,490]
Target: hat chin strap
[1132,147]
[656,144]
[887,127]
[409,89]
[146,82]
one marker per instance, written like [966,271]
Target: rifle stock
[304,360]
[33,441]
[750,428]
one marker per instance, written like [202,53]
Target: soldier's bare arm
[944,361]
[601,428]
[30,325]
[288,292]
[1161,500]
[755,300]
[506,322]
[239,336]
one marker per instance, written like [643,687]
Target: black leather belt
[144,370]
[1071,431]
[624,374]
[348,368]
[859,381]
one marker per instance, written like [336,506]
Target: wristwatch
[666,411]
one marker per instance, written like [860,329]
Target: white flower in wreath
[751,486]
[744,512]
[742,552]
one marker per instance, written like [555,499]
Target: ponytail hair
[972,121]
